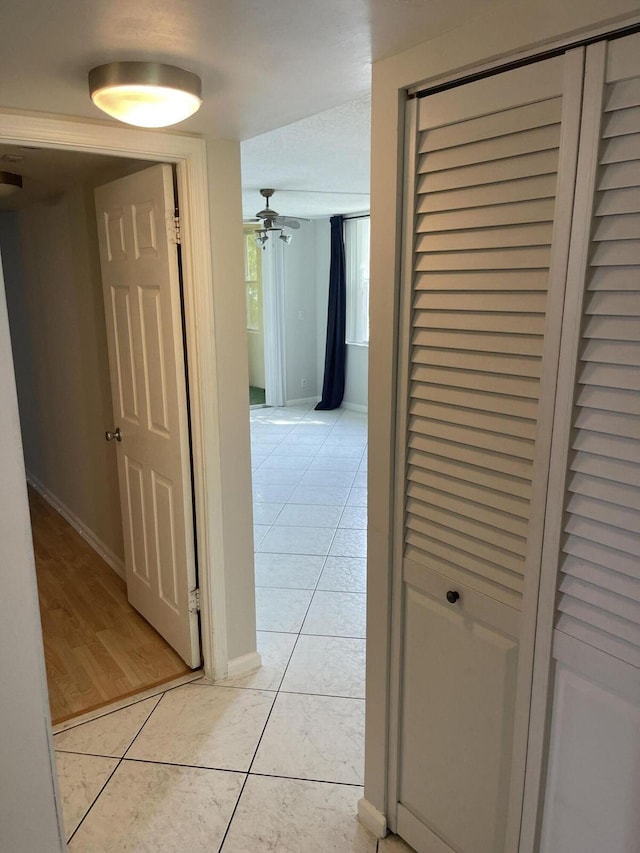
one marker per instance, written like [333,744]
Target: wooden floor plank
[97,647]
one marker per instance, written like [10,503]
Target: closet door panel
[602,505]
[458,727]
[488,252]
[593,783]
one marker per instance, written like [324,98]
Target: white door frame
[273,323]
[189,155]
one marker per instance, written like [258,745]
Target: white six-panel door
[141,285]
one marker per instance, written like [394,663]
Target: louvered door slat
[618,227]
[616,328]
[621,149]
[479,342]
[424,461]
[537,187]
[624,606]
[611,278]
[599,585]
[536,210]
[481,492]
[606,467]
[475,400]
[453,500]
[483,420]
[485,382]
[616,201]
[492,126]
[511,365]
[609,559]
[492,172]
[605,490]
[476,360]
[620,175]
[621,122]
[607,579]
[538,234]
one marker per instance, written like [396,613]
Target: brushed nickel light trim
[145,94]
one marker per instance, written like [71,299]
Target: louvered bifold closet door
[593,523]
[482,315]
[599,600]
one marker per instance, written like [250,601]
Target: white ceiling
[318,165]
[263,65]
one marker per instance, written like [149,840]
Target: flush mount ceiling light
[145,94]
[9,183]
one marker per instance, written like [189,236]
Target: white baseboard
[303,401]
[111,559]
[355,407]
[374,820]
[244,664]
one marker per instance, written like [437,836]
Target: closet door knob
[452,596]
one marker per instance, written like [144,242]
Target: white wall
[322,229]
[54,295]
[28,816]
[300,314]
[357,363]
[232,387]
[513,26]
[356,389]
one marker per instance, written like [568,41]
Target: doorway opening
[255,318]
[310,521]
[97,647]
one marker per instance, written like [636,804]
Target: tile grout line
[111,775]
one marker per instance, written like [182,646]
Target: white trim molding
[372,818]
[92,539]
[355,407]
[244,665]
[303,401]
[189,155]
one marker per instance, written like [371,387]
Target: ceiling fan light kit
[145,94]
[272,222]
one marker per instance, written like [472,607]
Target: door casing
[189,156]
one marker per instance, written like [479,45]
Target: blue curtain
[336,351]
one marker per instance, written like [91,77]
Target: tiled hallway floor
[272,761]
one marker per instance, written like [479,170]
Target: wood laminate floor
[97,647]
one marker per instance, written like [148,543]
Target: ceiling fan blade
[286,222]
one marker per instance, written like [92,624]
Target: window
[356,247]
[252,263]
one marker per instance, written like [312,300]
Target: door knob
[452,596]
[115,434]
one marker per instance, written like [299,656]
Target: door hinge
[177,231]
[194,600]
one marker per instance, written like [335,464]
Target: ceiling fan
[271,221]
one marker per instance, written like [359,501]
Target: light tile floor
[272,761]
